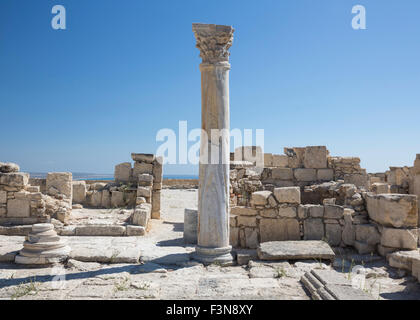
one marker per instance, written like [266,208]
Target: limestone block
[14,179]
[416,167]
[364,248]
[33,188]
[332,211]
[251,154]
[18,208]
[349,233]
[135,231]
[287,195]
[3,197]
[333,234]
[144,192]
[306,175]
[399,238]
[142,168]
[79,191]
[106,199]
[416,268]
[359,180]
[141,215]
[143,157]
[380,187]
[96,199]
[325,174]
[233,220]
[61,181]
[8,167]
[403,259]
[269,213]
[367,233]
[280,160]
[316,211]
[243,211]
[260,198]
[234,237]
[282,173]
[156,196]
[313,229]
[122,172]
[393,210]
[158,169]
[315,157]
[279,229]
[247,221]
[286,211]
[251,238]
[295,157]
[384,251]
[268,160]
[303,211]
[191,226]
[145,180]
[117,199]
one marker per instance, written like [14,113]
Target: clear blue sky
[84,98]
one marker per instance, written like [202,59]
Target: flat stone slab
[347,293]
[295,250]
[330,277]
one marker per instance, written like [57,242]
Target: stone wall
[180,183]
[136,186]
[22,203]
[366,221]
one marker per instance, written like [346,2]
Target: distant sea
[97,176]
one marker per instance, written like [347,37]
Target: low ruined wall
[22,203]
[180,183]
[368,222]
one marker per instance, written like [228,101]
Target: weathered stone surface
[384,251]
[280,160]
[333,234]
[243,211]
[190,226]
[144,192]
[142,168]
[247,221]
[145,180]
[313,229]
[295,157]
[18,208]
[315,157]
[306,175]
[8,167]
[268,160]
[117,199]
[249,238]
[287,195]
[3,197]
[122,172]
[79,191]
[143,157]
[380,187]
[295,250]
[14,179]
[61,181]
[100,230]
[325,174]
[135,231]
[260,198]
[279,229]
[156,196]
[364,248]
[96,199]
[403,259]
[333,211]
[234,237]
[158,169]
[142,215]
[415,271]
[106,199]
[399,238]
[282,173]
[286,211]
[393,210]
[316,211]
[367,233]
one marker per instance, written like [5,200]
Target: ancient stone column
[213,200]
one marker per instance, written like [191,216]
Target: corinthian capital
[213,41]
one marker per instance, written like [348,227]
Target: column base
[220,256]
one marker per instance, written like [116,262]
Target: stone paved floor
[165,270]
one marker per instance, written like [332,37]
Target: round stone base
[220,256]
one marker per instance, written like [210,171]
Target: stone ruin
[22,203]
[25,201]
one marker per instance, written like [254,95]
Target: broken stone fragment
[8,167]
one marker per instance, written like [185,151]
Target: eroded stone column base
[220,256]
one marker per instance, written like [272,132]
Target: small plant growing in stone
[280,273]
[114,256]
[123,285]
[24,289]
